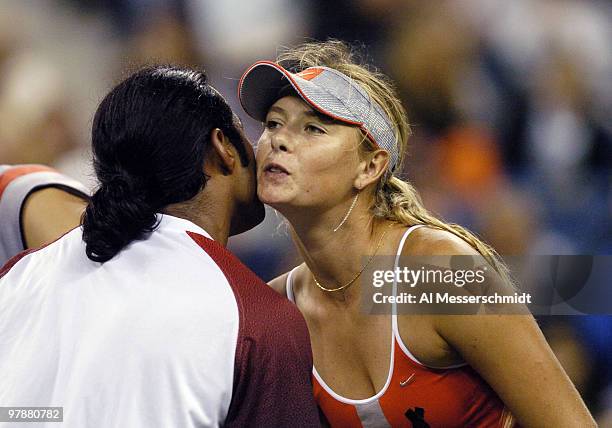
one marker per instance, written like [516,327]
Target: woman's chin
[272,198]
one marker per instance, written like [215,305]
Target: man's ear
[225,151]
[371,169]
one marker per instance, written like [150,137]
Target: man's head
[151,138]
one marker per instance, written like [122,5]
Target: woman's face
[304,158]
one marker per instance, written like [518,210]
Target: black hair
[150,136]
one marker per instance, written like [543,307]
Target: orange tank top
[414,395]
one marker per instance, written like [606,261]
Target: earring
[348,213]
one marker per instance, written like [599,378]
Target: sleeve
[17,182]
[272,385]
[274,372]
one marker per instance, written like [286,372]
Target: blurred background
[510,102]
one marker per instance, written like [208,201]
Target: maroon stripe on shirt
[273,361]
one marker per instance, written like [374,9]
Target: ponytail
[117,214]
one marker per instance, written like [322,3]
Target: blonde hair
[395,199]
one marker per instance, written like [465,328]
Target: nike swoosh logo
[407,381]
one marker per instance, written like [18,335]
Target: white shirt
[132,342]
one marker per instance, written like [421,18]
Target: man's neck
[208,211]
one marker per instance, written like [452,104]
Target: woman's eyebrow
[276,109]
[310,113]
[320,116]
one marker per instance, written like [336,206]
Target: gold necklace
[358,273]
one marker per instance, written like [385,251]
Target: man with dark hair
[140,317]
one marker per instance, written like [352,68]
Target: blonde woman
[333,140]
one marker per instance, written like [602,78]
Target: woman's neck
[335,258]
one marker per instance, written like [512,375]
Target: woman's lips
[275,171]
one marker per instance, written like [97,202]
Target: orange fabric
[456,397]
[338,414]
[18,171]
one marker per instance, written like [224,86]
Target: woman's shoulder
[279,284]
[433,241]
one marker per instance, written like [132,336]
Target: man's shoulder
[251,291]
[265,317]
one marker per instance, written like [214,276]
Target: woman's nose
[280,141]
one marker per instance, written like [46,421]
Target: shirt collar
[170,221]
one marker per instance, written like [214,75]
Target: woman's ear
[224,150]
[371,168]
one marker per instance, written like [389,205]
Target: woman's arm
[510,353]
[37,205]
[49,213]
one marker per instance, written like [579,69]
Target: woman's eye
[271,124]
[315,129]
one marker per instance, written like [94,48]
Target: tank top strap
[289,285]
[395,266]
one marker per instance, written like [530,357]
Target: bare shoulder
[54,198]
[279,284]
[49,213]
[422,332]
[431,241]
